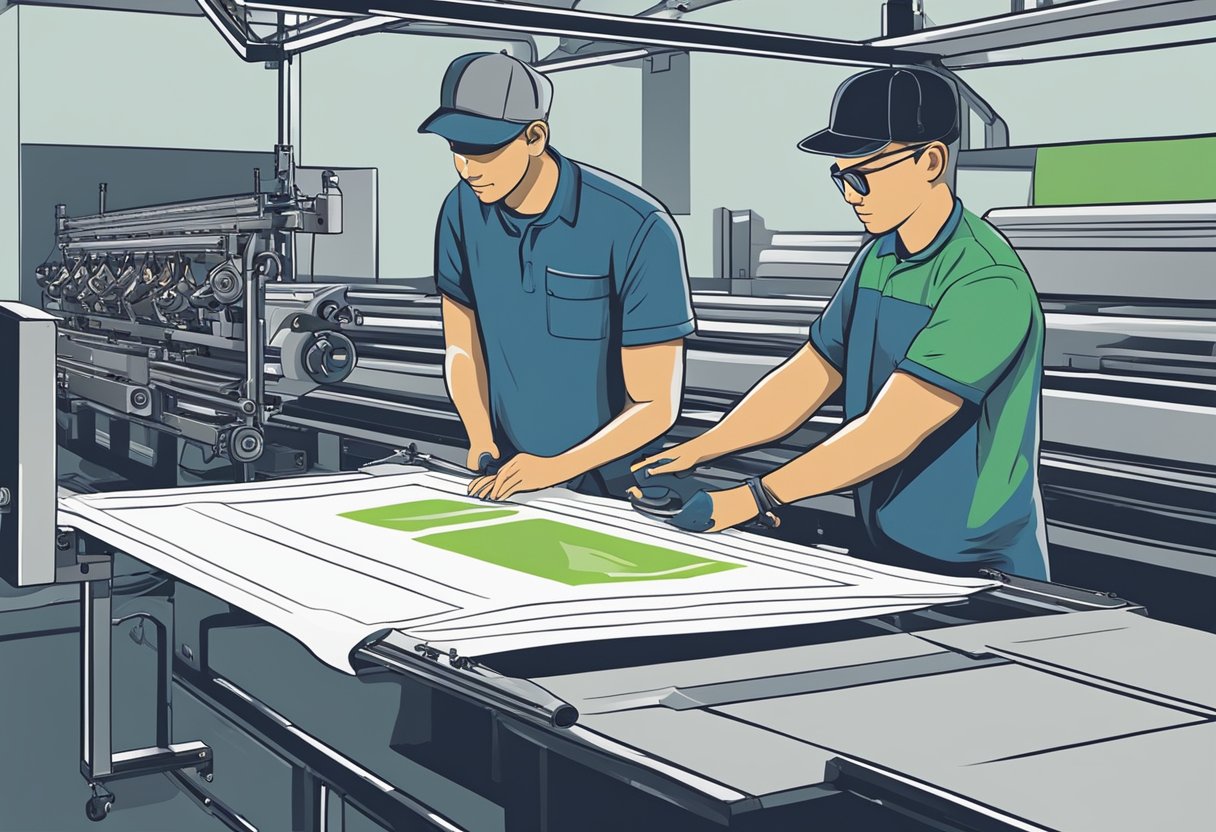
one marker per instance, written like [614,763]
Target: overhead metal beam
[679,7]
[186,8]
[237,35]
[671,9]
[336,30]
[674,34]
[1084,19]
[618,54]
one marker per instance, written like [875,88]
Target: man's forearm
[470,393]
[782,401]
[904,413]
[636,425]
[853,455]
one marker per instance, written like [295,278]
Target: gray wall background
[171,82]
[93,77]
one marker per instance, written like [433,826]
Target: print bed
[333,559]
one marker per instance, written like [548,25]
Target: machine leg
[120,438]
[98,762]
[525,785]
[95,605]
[310,802]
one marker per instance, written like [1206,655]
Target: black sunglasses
[856,179]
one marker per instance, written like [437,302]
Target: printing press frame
[455,755]
[144,340]
[507,760]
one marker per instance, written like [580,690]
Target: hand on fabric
[682,457]
[476,451]
[732,507]
[714,511]
[523,472]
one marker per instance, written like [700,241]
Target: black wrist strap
[764,501]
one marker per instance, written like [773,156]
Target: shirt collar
[564,204]
[886,243]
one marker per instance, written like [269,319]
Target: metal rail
[514,17]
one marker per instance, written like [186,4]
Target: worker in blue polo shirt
[936,337]
[564,292]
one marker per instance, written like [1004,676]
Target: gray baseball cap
[487,99]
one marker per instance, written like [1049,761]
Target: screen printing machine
[846,694]
[344,641]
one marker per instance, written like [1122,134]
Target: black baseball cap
[880,106]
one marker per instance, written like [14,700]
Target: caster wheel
[97,808]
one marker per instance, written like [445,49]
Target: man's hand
[682,457]
[473,463]
[714,511]
[732,507]
[523,472]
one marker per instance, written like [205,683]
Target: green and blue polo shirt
[962,315]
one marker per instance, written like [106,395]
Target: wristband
[765,502]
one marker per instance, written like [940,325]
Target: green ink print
[572,555]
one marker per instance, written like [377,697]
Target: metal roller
[323,356]
[245,444]
[226,283]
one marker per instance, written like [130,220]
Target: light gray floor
[40,783]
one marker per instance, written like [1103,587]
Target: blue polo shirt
[557,296]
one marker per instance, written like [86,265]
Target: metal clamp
[465,678]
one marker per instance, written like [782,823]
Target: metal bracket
[465,678]
[1068,596]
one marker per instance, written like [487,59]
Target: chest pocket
[577,305]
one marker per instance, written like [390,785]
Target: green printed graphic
[572,555]
[420,515]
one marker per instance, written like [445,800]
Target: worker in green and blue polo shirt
[564,291]
[936,335]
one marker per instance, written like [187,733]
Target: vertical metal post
[899,18]
[543,787]
[666,128]
[119,431]
[253,328]
[323,809]
[289,139]
[96,748]
[309,802]
[164,686]
[285,100]
[964,124]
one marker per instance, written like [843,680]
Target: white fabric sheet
[282,551]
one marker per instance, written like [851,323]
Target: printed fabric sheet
[333,559]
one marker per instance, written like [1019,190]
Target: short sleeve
[977,330]
[829,332]
[451,264]
[656,305]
